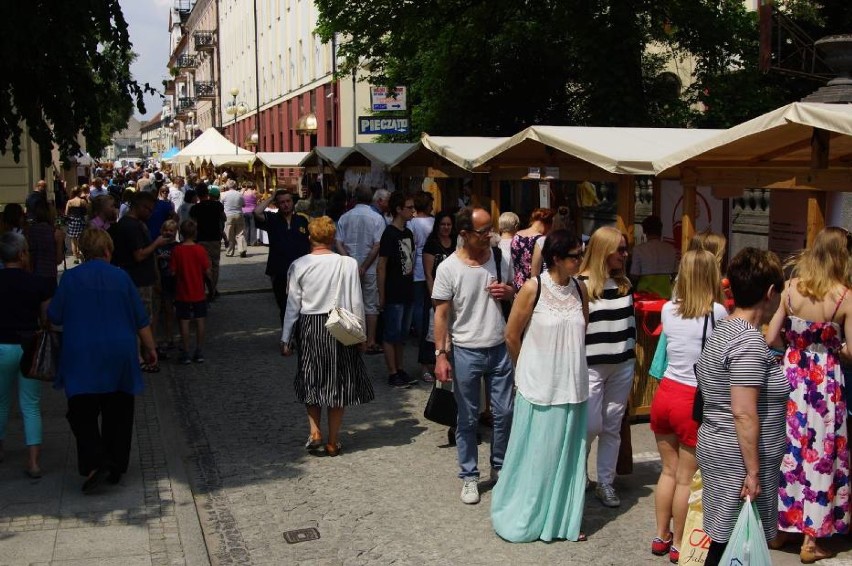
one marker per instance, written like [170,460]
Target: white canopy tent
[212,147]
[278,160]
[461,151]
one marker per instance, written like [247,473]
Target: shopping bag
[661,359]
[695,542]
[40,358]
[747,545]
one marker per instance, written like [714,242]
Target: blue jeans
[420,292]
[29,394]
[397,321]
[470,366]
[251,232]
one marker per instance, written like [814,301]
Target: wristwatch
[441,351]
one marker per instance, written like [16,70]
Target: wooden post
[495,202]
[687,222]
[626,211]
[820,143]
[476,190]
[816,214]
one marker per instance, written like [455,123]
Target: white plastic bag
[747,545]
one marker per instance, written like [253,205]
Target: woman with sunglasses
[814,316]
[610,339]
[542,484]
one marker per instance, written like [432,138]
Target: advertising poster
[709,211]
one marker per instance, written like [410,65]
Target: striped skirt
[330,374]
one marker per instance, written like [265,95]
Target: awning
[171,152]
[461,151]
[330,155]
[277,160]
[213,147]
[385,155]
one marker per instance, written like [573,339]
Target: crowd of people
[533,328]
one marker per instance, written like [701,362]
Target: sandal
[151,368]
[333,449]
[374,350]
[314,443]
[582,537]
[811,553]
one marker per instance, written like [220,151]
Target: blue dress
[100,311]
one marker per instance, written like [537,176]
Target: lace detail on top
[560,300]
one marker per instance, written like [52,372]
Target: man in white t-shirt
[235,224]
[469,291]
[359,233]
[654,262]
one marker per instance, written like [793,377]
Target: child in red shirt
[190,265]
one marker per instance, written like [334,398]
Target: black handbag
[441,407]
[40,358]
[698,401]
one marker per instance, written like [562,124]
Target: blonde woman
[610,339]
[688,322]
[814,315]
[712,242]
[75,213]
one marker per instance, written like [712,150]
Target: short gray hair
[12,245]
[381,194]
[231,184]
[508,222]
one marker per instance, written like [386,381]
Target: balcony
[204,40]
[205,90]
[186,62]
[185,105]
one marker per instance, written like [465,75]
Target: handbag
[40,359]
[698,401]
[441,407]
[345,326]
[661,358]
[747,545]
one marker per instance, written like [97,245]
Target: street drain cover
[301,535]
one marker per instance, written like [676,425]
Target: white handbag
[346,327]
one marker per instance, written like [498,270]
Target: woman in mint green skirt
[541,490]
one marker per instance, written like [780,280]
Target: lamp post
[236,109]
[190,127]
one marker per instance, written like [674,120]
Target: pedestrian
[101,379]
[190,265]
[38,195]
[235,226]
[420,226]
[741,440]
[381,201]
[654,262]
[610,341]
[209,217]
[440,245]
[688,321]
[97,188]
[395,276]
[467,291]
[104,212]
[542,485]
[508,224]
[359,233]
[524,241]
[163,210]
[23,300]
[75,212]
[249,204]
[163,305]
[813,318]
[46,244]
[288,241]
[329,374]
[176,192]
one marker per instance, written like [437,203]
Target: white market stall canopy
[213,147]
[462,151]
[279,160]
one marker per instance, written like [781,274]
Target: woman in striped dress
[610,338]
[742,437]
[329,374]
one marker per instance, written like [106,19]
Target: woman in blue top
[99,364]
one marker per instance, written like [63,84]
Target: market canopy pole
[626,207]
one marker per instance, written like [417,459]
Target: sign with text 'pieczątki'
[372,125]
[383,99]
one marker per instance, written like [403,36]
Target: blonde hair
[169,225]
[95,244]
[824,265]
[604,242]
[697,286]
[508,222]
[321,231]
[711,242]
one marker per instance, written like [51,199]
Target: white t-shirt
[421,227]
[683,337]
[654,257]
[359,230]
[176,196]
[477,316]
[233,202]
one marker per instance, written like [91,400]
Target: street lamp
[236,109]
[190,127]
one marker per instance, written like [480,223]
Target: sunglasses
[578,255]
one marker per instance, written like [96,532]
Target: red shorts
[671,411]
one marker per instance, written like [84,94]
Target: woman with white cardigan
[329,374]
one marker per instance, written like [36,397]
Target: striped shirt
[737,355]
[611,334]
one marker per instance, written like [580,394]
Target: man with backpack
[470,291]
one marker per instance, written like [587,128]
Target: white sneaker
[606,493]
[470,491]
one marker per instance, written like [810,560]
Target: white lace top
[552,363]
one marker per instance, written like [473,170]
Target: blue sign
[374,125]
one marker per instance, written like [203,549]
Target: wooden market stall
[281,169]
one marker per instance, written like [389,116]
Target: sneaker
[660,547]
[243,254]
[198,357]
[606,493]
[428,377]
[470,491]
[674,555]
[395,380]
[408,379]
[494,475]
[184,359]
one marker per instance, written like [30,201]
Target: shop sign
[383,99]
[372,125]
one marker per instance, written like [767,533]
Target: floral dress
[522,252]
[814,485]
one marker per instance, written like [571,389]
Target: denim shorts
[397,322]
[190,311]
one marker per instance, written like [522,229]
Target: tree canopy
[493,67]
[65,71]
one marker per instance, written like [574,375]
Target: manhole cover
[301,535]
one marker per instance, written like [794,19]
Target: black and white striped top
[611,334]
[737,355]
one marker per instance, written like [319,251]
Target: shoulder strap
[497,253]
[707,317]
[339,282]
[837,306]
[537,290]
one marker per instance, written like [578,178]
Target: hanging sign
[383,99]
[373,125]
